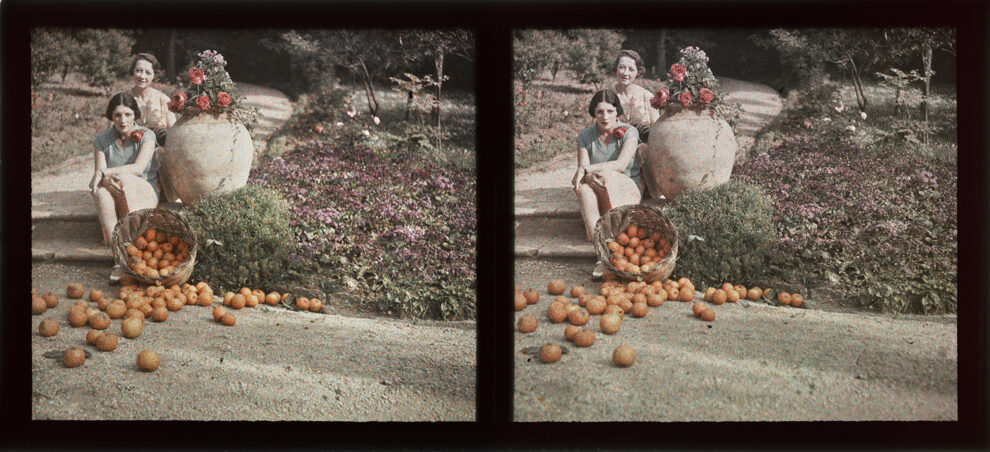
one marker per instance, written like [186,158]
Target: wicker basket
[135,223]
[615,221]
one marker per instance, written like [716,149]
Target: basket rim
[603,255]
[118,245]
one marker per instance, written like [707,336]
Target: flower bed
[398,230]
[879,224]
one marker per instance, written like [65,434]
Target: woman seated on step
[125,178]
[608,170]
[155,114]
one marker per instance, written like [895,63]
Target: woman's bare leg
[588,201]
[106,211]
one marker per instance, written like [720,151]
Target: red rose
[807,124]
[137,135]
[178,100]
[224,99]
[203,102]
[678,77]
[318,128]
[196,76]
[705,95]
[618,133]
[659,98]
[677,69]
[173,107]
[684,98]
[522,104]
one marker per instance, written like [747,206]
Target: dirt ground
[754,362]
[274,364]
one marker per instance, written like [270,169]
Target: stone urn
[689,149]
[207,153]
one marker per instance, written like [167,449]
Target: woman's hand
[578,175]
[595,180]
[113,185]
[96,181]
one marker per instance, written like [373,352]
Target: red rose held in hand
[684,98]
[196,76]
[203,102]
[705,95]
[223,99]
[137,135]
[659,99]
[618,133]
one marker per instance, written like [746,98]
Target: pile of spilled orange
[614,300]
[156,253]
[638,250]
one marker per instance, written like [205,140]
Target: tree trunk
[554,68]
[409,103]
[926,61]
[661,54]
[170,60]
[438,63]
[897,100]
[858,84]
[369,89]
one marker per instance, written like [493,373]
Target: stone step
[547,247]
[64,232]
[69,241]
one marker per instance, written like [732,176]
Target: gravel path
[274,364]
[753,363]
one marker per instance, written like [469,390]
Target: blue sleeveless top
[599,152]
[106,142]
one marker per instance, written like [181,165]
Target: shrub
[591,54]
[104,55]
[244,238]
[53,51]
[399,231]
[724,233]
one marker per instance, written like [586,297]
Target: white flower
[377,121]
[851,128]
[862,114]
[838,109]
[827,119]
[351,111]
[366,133]
[339,124]
[565,112]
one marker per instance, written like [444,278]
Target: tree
[369,54]
[903,42]
[104,55]
[437,44]
[53,51]
[855,51]
[592,52]
[535,51]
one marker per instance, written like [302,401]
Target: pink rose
[807,124]
[203,102]
[659,98]
[618,133]
[224,99]
[705,95]
[196,76]
[684,98]
[137,135]
[522,103]
[677,69]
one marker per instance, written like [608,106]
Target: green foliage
[535,51]
[53,51]
[244,238]
[724,233]
[104,55]
[591,54]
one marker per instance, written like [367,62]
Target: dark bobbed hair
[640,67]
[126,100]
[605,95]
[156,67]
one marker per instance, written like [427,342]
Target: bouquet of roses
[209,89]
[690,83]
